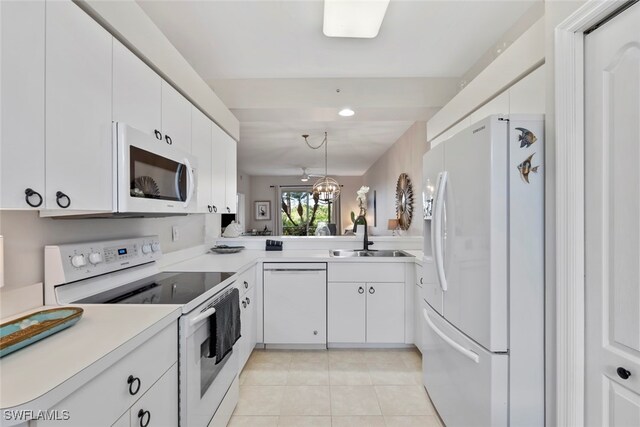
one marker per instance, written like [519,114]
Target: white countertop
[243,260]
[37,376]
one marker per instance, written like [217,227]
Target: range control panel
[78,261]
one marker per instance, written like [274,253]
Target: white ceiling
[270,63]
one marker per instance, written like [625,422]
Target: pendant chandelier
[328,189]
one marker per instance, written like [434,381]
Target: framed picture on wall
[263,210]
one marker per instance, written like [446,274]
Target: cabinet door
[176,118]
[137,99]
[22,28]
[248,323]
[201,150]
[346,316]
[218,169]
[385,312]
[78,110]
[231,156]
[159,406]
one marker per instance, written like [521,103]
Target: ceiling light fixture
[346,112]
[353,18]
[304,177]
[327,188]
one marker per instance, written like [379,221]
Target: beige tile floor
[349,388]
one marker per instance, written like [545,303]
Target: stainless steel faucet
[365,243]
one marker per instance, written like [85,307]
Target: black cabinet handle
[168,139]
[248,301]
[244,304]
[422,280]
[142,414]
[60,196]
[215,209]
[246,284]
[134,385]
[30,193]
[158,134]
[228,210]
[210,208]
[372,291]
[623,373]
[361,290]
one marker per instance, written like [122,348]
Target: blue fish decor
[525,168]
[526,137]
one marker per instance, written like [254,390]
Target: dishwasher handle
[294,270]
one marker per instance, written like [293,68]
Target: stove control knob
[95,258]
[146,248]
[78,261]
[155,246]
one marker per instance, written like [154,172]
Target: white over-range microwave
[152,176]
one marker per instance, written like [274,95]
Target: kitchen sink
[347,253]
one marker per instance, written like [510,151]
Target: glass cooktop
[162,288]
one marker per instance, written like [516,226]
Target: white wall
[26,234]
[405,155]
[261,190]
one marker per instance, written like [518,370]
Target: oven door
[152,176]
[203,383]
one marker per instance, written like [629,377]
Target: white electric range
[126,271]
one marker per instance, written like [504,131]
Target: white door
[346,303]
[612,215]
[231,174]
[176,118]
[432,166]
[475,232]
[201,150]
[218,169]
[79,171]
[385,312]
[137,93]
[22,30]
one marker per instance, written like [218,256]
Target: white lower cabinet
[366,313]
[147,376]
[246,284]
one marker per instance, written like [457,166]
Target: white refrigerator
[483,296]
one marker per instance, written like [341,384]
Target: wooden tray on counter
[26,330]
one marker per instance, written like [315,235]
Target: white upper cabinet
[176,118]
[218,169]
[201,149]
[231,156]
[137,92]
[78,104]
[22,44]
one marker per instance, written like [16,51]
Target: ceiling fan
[305,176]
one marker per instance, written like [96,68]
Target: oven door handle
[190,183]
[202,316]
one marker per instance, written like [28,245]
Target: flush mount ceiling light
[327,188]
[353,18]
[346,112]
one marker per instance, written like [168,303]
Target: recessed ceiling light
[351,18]
[346,112]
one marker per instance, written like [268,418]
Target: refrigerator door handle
[464,351]
[436,236]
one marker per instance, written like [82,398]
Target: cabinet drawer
[105,398]
[159,406]
[366,272]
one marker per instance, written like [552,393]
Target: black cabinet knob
[248,301]
[623,373]
[372,291]
[158,134]
[210,208]
[361,290]
[168,139]
[215,209]
[228,210]
[422,280]
[63,200]
[134,385]
[29,194]
[246,285]
[145,417]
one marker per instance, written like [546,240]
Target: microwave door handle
[437,239]
[202,316]
[190,183]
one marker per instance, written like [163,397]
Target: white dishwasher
[295,304]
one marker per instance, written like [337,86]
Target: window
[301,211]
